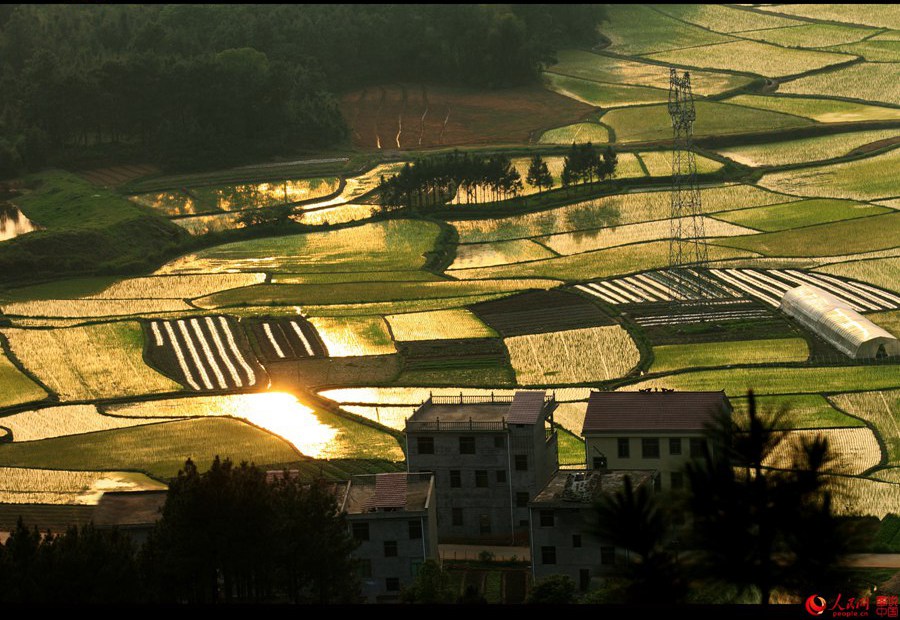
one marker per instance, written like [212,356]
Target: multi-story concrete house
[490,457]
[564,539]
[659,430]
[393,517]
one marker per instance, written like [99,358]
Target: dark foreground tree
[431,586]
[553,590]
[762,513]
[229,534]
[634,520]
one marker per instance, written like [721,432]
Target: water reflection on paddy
[13,222]
[276,412]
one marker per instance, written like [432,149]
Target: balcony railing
[470,425]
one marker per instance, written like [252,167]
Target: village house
[649,430]
[490,457]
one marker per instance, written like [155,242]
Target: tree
[230,534]
[431,586]
[635,520]
[760,529]
[539,174]
[553,590]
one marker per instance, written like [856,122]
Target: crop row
[206,351]
[770,285]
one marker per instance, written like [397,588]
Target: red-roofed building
[659,430]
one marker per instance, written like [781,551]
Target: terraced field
[311,346]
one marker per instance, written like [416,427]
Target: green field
[866,234]
[618,260]
[577,132]
[16,388]
[862,179]
[386,307]
[157,449]
[874,51]
[736,381]
[720,18]
[811,35]
[637,29]
[356,292]
[601,94]
[383,246]
[879,409]
[570,447]
[652,122]
[876,82]
[797,411]
[752,57]
[808,149]
[609,211]
[96,361]
[882,272]
[678,356]
[821,110]
[498,253]
[98,229]
[801,213]
[611,70]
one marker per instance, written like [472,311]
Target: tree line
[190,85]
[473,178]
[224,535]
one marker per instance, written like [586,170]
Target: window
[481,478]
[484,524]
[600,462]
[624,452]
[361,531]
[521,462]
[392,584]
[364,568]
[457,517]
[675,446]
[415,529]
[650,448]
[607,556]
[425,445]
[467,445]
[501,476]
[499,441]
[548,555]
[455,478]
[546,518]
[657,482]
[676,480]
[523,522]
[522,499]
[697,447]
[576,540]
[390,548]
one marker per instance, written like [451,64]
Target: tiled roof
[526,408]
[390,491]
[652,411]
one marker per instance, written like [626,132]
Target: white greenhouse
[837,323]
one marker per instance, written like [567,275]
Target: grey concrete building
[659,430]
[394,518]
[490,457]
[564,539]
